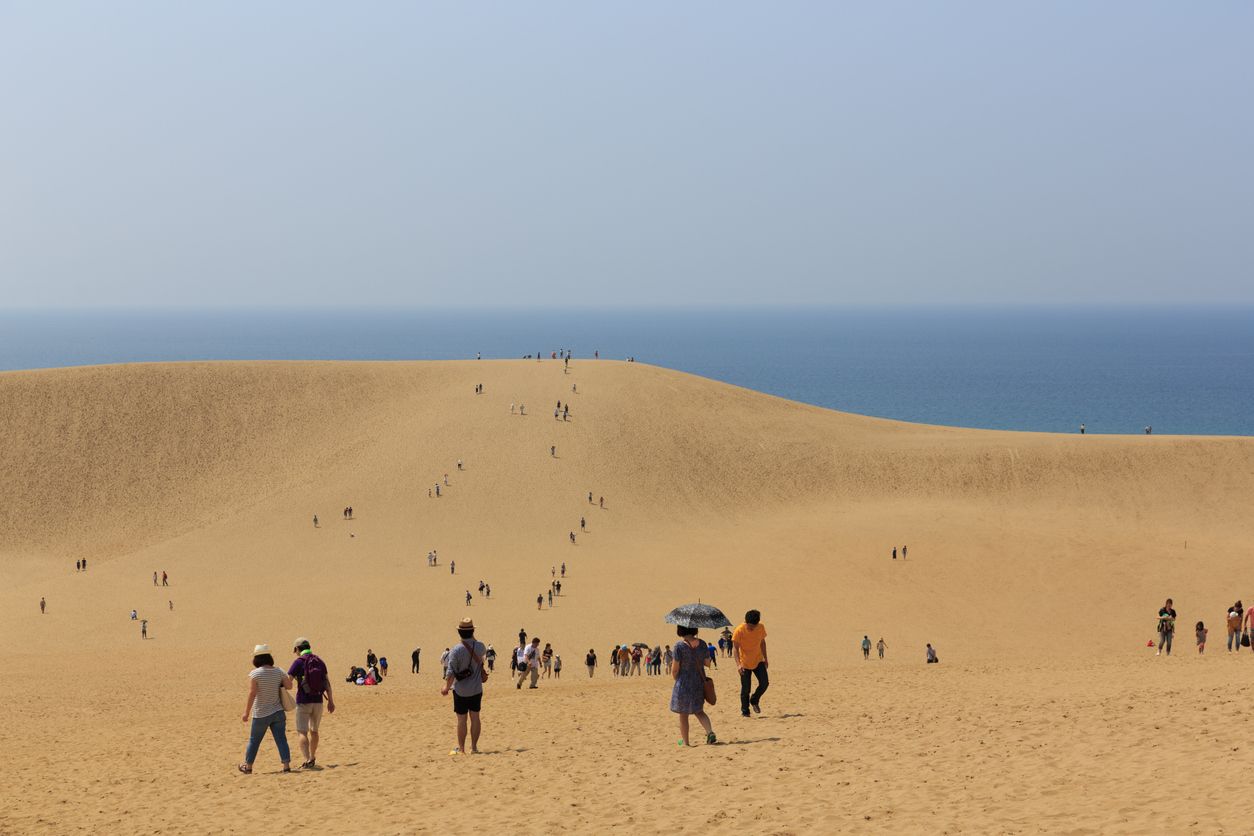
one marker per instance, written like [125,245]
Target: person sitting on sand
[688,693]
[264,707]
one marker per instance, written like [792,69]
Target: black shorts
[463,704]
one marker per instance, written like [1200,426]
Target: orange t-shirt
[749,640]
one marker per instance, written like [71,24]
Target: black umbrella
[697,615]
[641,644]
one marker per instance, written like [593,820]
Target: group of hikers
[466,666]
[1239,621]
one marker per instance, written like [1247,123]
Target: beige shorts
[308,716]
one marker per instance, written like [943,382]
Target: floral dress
[688,695]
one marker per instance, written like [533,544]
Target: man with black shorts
[465,675]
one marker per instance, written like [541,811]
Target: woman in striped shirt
[265,708]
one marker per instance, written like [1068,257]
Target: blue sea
[1187,371]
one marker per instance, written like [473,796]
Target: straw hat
[466,624]
[260,649]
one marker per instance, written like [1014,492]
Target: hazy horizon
[655,156]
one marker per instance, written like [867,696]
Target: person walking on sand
[540,602]
[313,684]
[894,552]
[171,603]
[315,520]
[1201,637]
[553,451]
[591,661]
[265,708]
[879,646]
[465,677]
[866,648]
[563,568]
[165,579]
[589,497]
[452,567]
[143,629]
[531,664]
[468,597]
[749,651]
[1234,630]
[1166,627]
[931,655]
[43,606]
[557,667]
[416,658]
[583,525]
[688,693]
[546,658]
[903,552]
[154,578]
[602,502]
[572,538]
[1082,429]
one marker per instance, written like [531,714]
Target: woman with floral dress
[688,695]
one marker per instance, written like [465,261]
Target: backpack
[314,679]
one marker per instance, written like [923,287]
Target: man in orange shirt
[749,648]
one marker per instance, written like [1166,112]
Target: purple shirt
[297,672]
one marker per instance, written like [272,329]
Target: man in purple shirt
[312,683]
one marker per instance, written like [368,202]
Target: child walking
[1201,637]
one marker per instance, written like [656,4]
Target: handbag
[708,688]
[1245,639]
[286,699]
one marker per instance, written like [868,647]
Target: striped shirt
[269,680]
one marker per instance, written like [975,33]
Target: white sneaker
[1158,653]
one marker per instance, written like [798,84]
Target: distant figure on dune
[154,578]
[596,355]
[602,502]
[416,658]
[522,636]
[165,579]
[572,538]
[553,571]
[574,389]
[1201,637]
[1166,627]
[315,520]
[446,480]
[894,552]
[553,451]
[557,587]
[614,660]
[459,464]
[866,648]
[511,408]
[43,606]
[143,629]
[583,524]
[903,552]
[265,708]
[591,662]
[1148,429]
[452,567]
[563,568]
[468,597]
[879,646]
[134,615]
[589,497]
[437,490]
[490,656]
[540,602]
[350,512]
[1082,429]
[481,586]
[371,659]
[531,664]
[931,655]
[1234,629]
[84,564]
[749,650]
[487,590]
[522,409]
[557,667]
[688,694]
[550,599]
[171,603]
[78,565]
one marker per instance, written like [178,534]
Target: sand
[1036,565]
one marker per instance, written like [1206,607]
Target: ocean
[1187,371]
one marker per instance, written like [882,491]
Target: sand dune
[1036,563]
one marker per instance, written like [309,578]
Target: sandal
[246,769]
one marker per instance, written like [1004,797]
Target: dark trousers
[745,680]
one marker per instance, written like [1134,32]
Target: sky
[625,154]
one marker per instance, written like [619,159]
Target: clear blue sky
[600,154]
